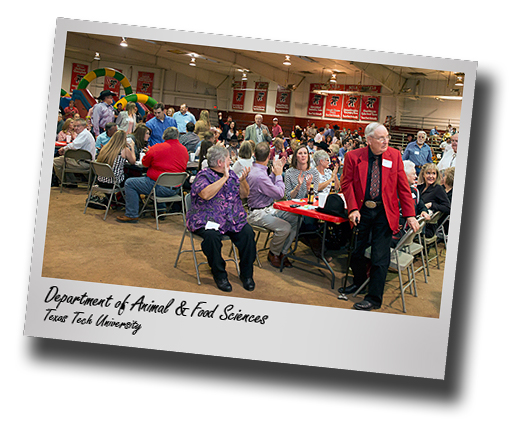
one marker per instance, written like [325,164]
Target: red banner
[351,103]
[315,101]
[333,107]
[370,107]
[283,100]
[78,72]
[112,84]
[260,96]
[144,83]
[238,97]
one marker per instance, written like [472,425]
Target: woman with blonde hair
[116,152]
[67,133]
[126,121]
[202,125]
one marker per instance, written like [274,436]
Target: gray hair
[409,167]
[319,156]
[370,128]
[422,132]
[171,133]
[215,154]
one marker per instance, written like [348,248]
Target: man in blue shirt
[182,118]
[159,123]
[418,152]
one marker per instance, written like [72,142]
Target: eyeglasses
[383,139]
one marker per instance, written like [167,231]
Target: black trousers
[212,248]
[373,230]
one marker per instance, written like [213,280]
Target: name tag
[387,163]
[416,152]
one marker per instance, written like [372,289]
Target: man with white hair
[258,132]
[418,151]
[449,157]
[375,186]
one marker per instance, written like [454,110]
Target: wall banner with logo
[238,97]
[315,101]
[351,103]
[370,107]
[333,107]
[144,83]
[283,100]
[78,72]
[260,96]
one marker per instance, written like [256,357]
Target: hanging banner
[113,85]
[351,103]
[238,97]
[78,72]
[370,107]
[260,96]
[283,100]
[144,83]
[333,107]
[315,101]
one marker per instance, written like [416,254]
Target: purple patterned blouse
[225,208]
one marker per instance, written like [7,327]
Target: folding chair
[168,180]
[442,233]
[258,230]
[187,204]
[419,248]
[400,260]
[77,155]
[432,240]
[103,170]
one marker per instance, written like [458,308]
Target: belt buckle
[371,204]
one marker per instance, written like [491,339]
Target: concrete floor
[84,247]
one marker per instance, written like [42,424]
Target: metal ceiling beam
[387,77]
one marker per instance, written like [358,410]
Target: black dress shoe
[351,289]
[248,283]
[365,305]
[223,284]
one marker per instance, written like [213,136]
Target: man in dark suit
[374,185]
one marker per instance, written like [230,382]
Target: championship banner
[315,101]
[144,83]
[238,97]
[370,107]
[113,85]
[283,100]
[78,72]
[351,103]
[260,96]
[333,107]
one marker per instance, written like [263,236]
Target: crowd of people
[240,173]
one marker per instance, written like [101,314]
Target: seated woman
[419,205]
[447,181]
[432,194]
[203,151]
[140,136]
[217,210]
[116,152]
[245,158]
[67,134]
[278,149]
[326,176]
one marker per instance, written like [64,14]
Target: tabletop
[307,210]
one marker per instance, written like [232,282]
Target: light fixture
[123,43]
[244,76]
[460,79]
[333,78]
[287,60]
[192,62]
[97,56]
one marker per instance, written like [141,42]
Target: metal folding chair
[432,241]
[77,155]
[168,180]
[103,170]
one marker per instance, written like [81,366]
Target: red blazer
[395,187]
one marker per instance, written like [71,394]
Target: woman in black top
[433,194]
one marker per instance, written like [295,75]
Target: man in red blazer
[374,185]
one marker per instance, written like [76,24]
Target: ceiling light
[123,43]
[97,56]
[192,62]
[333,78]
[287,60]
[460,79]
[244,76]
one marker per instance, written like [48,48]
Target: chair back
[435,218]
[78,155]
[171,180]
[102,169]
[188,202]
[406,239]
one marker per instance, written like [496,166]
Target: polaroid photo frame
[175,320]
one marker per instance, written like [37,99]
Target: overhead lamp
[192,62]
[460,79]
[123,43]
[287,60]
[244,76]
[97,56]
[333,78]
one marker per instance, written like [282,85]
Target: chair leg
[195,260]
[236,259]
[88,200]
[180,247]
[109,204]
[414,277]
[257,253]
[402,291]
